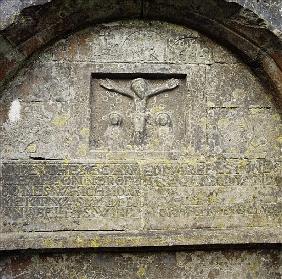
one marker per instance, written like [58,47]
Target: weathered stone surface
[252,27]
[154,124]
[129,197]
[269,10]
[244,133]
[212,264]
[139,134]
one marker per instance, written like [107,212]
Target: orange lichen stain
[82,150]
[60,120]
[66,161]
[84,132]
[279,139]
[276,117]
[212,199]
[39,169]
[31,148]
[79,240]
[141,272]
[94,243]
[242,165]
[49,243]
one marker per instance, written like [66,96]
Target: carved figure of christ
[140,93]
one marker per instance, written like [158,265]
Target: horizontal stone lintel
[112,239]
[97,209]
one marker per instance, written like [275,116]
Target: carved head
[164,119]
[115,119]
[139,87]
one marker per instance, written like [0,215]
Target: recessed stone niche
[139,134]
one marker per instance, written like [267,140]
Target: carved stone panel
[138,134]
[144,115]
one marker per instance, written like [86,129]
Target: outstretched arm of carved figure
[109,85]
[169,85]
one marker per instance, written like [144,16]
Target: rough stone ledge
[100,239]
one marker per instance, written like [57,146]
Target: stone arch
[28,27]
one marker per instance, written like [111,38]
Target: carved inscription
[215,193]
[59,196]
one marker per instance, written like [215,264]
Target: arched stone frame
[28,27]
[250,51]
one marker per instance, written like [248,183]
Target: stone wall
[140,133]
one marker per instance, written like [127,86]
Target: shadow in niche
[148,249]
[182,262]
[138,75]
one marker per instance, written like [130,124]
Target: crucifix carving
[140,93]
